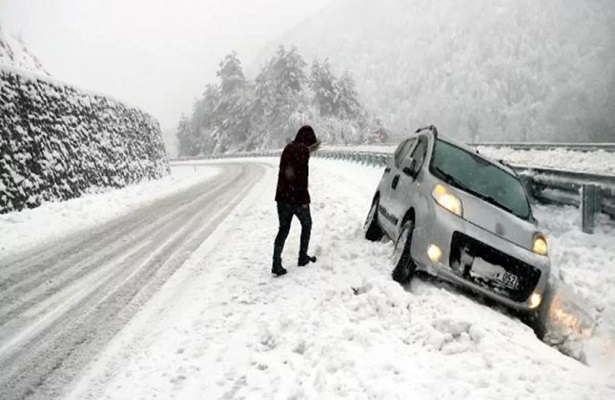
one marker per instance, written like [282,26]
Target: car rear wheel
[372,229]
[403,263]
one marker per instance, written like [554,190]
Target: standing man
[292,196]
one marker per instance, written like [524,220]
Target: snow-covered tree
[186,139]
[279,92]
[346,100]
[233,107]
[238,115]
[323,84]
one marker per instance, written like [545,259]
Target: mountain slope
[478,69]
[13,52]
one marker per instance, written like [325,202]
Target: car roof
[474,150]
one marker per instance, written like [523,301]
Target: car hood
[496,220]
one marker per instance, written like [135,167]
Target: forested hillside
[236,114]
[479,69]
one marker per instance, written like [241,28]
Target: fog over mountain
[478,69]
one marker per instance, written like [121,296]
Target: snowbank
[58,142]
[597,162]
[583,270]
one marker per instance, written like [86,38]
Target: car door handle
[387,170]
[395,182]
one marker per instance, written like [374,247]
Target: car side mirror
[411,170]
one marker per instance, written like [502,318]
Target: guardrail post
[589,207]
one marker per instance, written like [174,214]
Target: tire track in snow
[48,334]
[137,228]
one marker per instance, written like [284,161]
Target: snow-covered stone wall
[58,142]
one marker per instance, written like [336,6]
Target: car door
[405,194]
[390,182]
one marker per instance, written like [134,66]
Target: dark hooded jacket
[293,173]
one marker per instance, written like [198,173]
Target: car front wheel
[372,229]
[403,263]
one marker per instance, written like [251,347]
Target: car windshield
[474,174]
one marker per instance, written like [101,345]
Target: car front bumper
[447,231]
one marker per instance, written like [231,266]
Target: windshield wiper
[453,181]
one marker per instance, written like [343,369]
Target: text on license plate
[510,281]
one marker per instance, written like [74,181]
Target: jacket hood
[306,136]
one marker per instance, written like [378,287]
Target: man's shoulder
[297,148]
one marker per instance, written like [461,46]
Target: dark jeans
[286,212]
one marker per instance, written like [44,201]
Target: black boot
[278,270]
[305,260]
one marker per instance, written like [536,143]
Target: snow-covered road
[62,302]
[222,327]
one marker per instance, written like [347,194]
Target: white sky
[156,54]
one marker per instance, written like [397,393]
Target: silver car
[462,217]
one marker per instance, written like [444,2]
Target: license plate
[510,281]
[483,269]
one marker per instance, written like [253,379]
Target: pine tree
[347,105]
[324,85]
[232,109]
[238,115]
[187,145]
[280,97]
[205,120]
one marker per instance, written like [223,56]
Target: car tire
[403,263]
[372,229]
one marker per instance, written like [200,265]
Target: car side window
[402,151]
[419,153]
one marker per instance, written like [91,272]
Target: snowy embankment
[58,142]
[223,327]
[595,162]
[29,228]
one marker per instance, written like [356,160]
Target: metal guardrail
[592,193]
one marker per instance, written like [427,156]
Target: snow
[223,327]
[14,52]
[31,227]
[583,265]
[597,162]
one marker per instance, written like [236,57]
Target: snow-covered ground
[583,268]
[597,162]
[32,227]
[223,327]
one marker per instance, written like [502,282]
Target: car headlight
[540,245]
[447,200]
